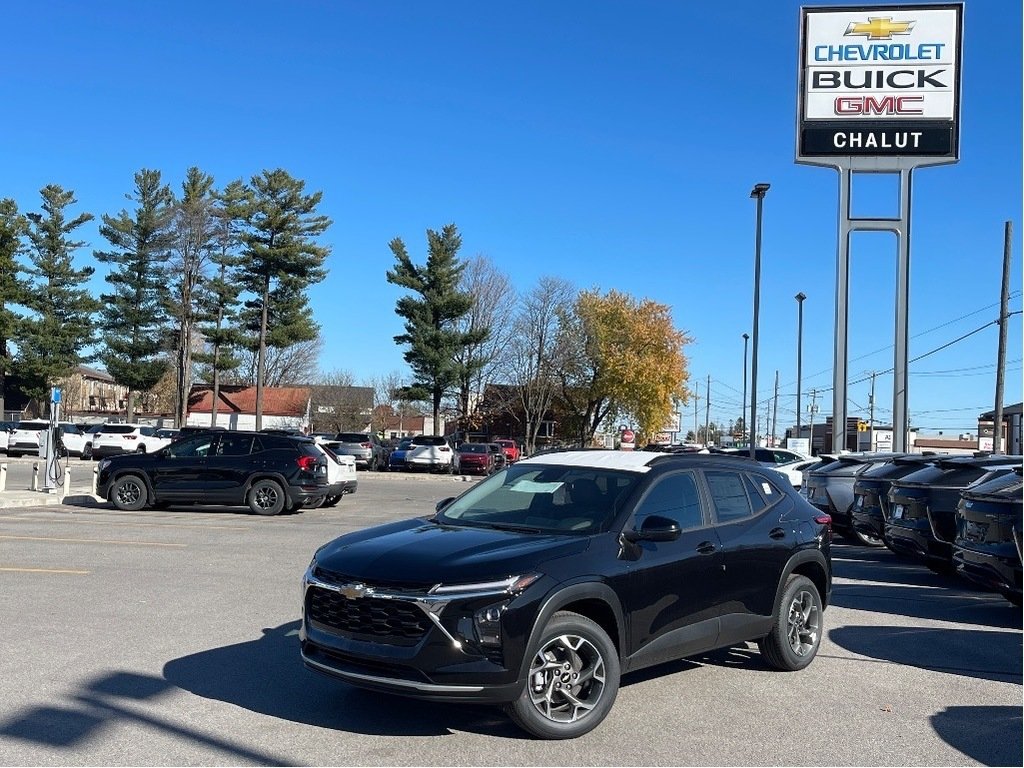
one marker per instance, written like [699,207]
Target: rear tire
[796,628]
[266,497]
[573,681]
[129,493]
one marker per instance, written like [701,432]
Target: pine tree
[218,299]
[13,229]
[61,323]
[430,321]
[134,317]
[281,261]
[194,227]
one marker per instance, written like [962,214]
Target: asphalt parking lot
[170,638]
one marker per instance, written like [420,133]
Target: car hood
[420,552]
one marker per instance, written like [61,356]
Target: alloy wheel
[567,678]
[128,493]
[804,623]
[266,497]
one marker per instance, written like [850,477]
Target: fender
[809,555]
[582,588]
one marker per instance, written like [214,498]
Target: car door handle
[777,533]
[706,547]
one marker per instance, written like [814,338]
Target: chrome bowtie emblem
[355,591]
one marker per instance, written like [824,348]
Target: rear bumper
[99,451]
[1000,574]
[869,520]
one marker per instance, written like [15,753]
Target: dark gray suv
[365,447]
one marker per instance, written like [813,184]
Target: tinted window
[191,447]
[473,448]
[32,426]
[272,443]
[147,431]
[70,429]
[352,437]
[117,429]
[729,495]
[757,496]
[674,496]
[234,445]
[428,440]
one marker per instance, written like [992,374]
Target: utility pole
[775,409]
[811,409]
[696,397]
[871,414]
[1004,315]
[707,411]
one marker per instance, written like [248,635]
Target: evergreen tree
[13,228]
[194,228]
[281,260]
[431,333]
[61,323]
[134,316]
[218,302]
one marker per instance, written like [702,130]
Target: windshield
[545,499]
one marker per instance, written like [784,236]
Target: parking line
[94,541]
[12,569]
[121,522]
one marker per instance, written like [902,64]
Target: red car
[474,458]
[510,448]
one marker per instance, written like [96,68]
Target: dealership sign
[880,81]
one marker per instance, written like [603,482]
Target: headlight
[104,463]
[513,585]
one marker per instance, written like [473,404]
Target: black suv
[538,587]
[269,473]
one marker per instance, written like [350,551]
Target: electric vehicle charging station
[49,446]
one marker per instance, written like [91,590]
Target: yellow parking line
[94,541]
[119,522]
[12,569]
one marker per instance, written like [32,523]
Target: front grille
[404,587]
[366,616]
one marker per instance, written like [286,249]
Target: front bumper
[440,660]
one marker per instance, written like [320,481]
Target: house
[90,394]
[338,408]
[1010,441]
[283,407]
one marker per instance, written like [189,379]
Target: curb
[418,476]
[36,499]
[83,500]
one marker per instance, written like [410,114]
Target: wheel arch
[593,599]
[812,564]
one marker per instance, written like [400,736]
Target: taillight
[825,520]
[131,437]
[306,463]
[365,445]
[445,449]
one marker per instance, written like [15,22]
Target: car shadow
[266,675]
[990,735]
[942,604]
[982,654]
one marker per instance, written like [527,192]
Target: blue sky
[610,144]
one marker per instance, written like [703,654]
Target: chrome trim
[425,687]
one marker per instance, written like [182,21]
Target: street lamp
[758,193]
[746,424]
[799,354]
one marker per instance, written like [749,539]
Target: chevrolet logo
[880,28]
[355,591]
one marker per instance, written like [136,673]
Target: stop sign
[628,436]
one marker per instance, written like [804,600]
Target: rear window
[117,429]
[32,426]
[473,448]
[352,437]
[428,440]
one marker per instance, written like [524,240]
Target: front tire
[573,680]
[266,497]
[796,629]
[129,493]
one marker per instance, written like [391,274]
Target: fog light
[487,623]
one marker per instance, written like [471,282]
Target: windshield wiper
[504,526]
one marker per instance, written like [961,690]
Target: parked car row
[953,514]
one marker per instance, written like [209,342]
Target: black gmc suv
[538,587]
[269,473]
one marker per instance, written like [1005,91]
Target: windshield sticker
[532,486]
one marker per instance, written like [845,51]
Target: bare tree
[295,365]
[339,405]
[493,302]
[531,352]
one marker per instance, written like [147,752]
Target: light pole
[799,354]
[758,193]
[746,423]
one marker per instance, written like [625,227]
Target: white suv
[430,453]
[25,437]
[126,438]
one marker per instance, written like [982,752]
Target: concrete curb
[10,500]
[83,500]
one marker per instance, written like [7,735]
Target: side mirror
[655,528]
[443,503]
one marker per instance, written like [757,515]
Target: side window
[757,494]
[674,496]
[729,495]
[190,448]
[234,445]
[146,431]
